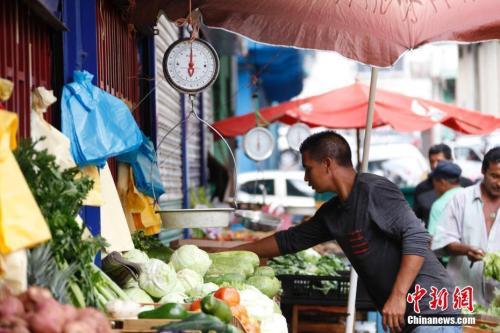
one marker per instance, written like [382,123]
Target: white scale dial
[258,143]
[190,66]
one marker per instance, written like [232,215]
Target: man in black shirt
[377,230]
[424,192]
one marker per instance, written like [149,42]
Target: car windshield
[403,171]
[296,187]
[258,186]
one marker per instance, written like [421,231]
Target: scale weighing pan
[196,218]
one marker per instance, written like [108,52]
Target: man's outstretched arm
[264,248]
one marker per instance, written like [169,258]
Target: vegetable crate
[310,289]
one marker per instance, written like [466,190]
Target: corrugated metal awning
[49,11]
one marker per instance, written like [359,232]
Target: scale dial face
[258,143]
[190,66]
[297,134]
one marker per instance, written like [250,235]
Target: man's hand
[475,254]
[393,312]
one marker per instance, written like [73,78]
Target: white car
[402,163]
[277,188]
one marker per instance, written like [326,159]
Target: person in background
[376,229]
[470,227]
[445,179]
[425,195]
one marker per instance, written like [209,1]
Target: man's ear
[329,163]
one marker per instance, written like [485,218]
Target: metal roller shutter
[168,111]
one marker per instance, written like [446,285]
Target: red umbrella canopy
[375,32]
[346,108]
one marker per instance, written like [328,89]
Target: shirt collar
[476,192]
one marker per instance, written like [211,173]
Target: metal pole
[351,303]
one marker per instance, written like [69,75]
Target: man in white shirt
[470,227]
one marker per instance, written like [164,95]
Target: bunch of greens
[492,265]
[310,262]
[307,262]
[152,246]
[59,194]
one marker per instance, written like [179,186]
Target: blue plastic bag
[98,124]
[146,173]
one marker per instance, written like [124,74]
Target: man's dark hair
[492,156]
[441,148]
[328,144]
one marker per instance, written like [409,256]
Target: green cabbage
[158,278]
[236,256]
[174,297]
[138,295]
[136,256]
[190,256]
[229,277]
[203,290]
[189,279]
[268,286]
[264,271]
[230,266]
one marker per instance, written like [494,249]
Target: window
[296,187]
[257,186]
[467,154]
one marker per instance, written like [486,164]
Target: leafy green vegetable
[60,194]
[138,295]
[305,263]
[190,256]
[492,265]
[269,286]
[264,271]
[158,278]
[144,242]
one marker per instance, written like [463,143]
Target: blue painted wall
[80,53]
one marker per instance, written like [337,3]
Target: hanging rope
[193,19]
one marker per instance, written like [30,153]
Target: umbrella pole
[351,303]
[358,147]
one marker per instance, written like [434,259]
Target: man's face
[315,173]
[435,158]
[491,180]
[439,186]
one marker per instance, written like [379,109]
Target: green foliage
[145,243]
[492,265]
[60,194]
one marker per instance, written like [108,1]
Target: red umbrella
[374,32]
[346,108]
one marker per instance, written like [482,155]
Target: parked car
[277,188]
[402,163]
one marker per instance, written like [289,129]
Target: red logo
[416,297]
[439,299]
[463,298]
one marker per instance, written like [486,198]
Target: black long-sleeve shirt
[425,197]
[375,226]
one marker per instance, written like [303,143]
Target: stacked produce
[36,311]
[310,262]
[220,285]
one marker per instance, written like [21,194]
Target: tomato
[228,295]
[196,305]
